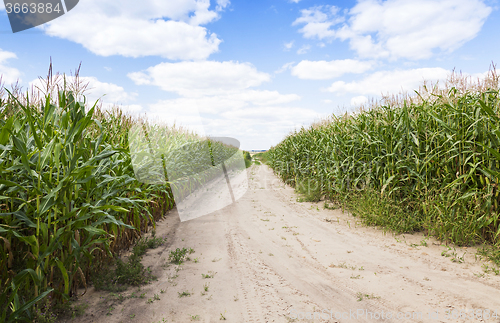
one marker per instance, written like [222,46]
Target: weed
[179,255]
[360,296]
[130,273]
[110,310]
[184,294]
[210,274]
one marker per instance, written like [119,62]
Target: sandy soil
[277,260]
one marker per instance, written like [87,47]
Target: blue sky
[253,70]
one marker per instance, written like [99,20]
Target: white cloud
[269,115]
[304,49]
[399,28]
[318,21]
[384,82]
[217,105]
[192,79]
[8,74]
[259,127]
[288,46]
[222,4]
[108,94]
[323,70]
[359,100]
[224,94]
[132,108]
[170,29]
[259,122]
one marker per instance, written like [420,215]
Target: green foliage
[179,255]
[247,158]
[431,163]
[262,157]
[69,199]
[130,273]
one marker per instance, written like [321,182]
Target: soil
[274,259]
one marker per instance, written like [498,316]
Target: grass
[262,157]
[129,273]
[210,274]
[247,158]
[360,296]
[427,162]
[178,256]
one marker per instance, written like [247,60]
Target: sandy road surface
[276,260]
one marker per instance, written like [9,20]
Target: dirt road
[277,260]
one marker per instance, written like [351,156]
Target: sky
[253,70]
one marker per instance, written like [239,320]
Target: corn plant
[68,198]
[428,163]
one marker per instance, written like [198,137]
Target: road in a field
[274,259]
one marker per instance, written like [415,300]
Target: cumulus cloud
[259,127]
[256,117]
[201,78]
[318,21]
[8,74]
[216,104]
[398,28]
[323,70]
[224,94]
[384,82]
[171,29]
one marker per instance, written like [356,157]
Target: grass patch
[210,274]
[129,273]
[178,256]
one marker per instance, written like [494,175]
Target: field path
[277,260]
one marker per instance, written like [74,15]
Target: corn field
[69,198]
[429,162]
